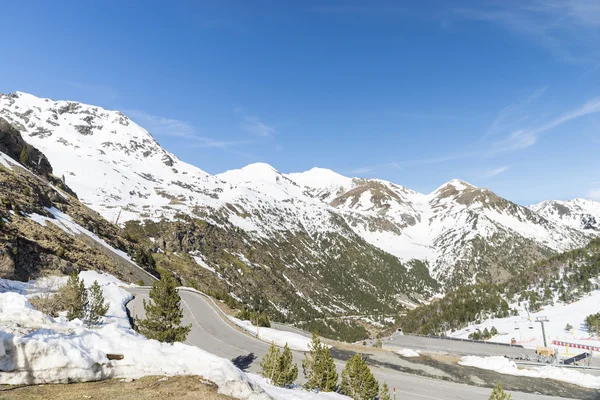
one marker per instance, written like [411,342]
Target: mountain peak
[259,171]
[319,178]
[453,186]
[459,184]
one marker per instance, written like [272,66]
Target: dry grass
[152,387]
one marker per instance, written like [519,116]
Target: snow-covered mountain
[462,232]
[577,213]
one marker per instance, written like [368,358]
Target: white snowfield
[36,348]
[280,338]
[508,367]
[527,332]
[100,152]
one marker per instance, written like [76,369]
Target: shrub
[24,156]
[499,394]
[568,327]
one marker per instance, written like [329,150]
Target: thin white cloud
[514,114]
[568,29]
[253,124]
[496,171]
[162,126]
[515,140]
[524,138]
[594,194]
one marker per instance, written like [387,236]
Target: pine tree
[75,298]
[357,380]
[268,364]
[499,394]
[289,370]
[568,327]
[384,392]
[163,313]
[24,156]
[319,367]
[486,334]
[278,366]
[97,308]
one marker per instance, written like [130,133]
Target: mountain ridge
[461,232]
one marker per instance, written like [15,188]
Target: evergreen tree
[24,156]
[97,308]
[288,370]
[319,368]
[75,297]
[494,331]
[268,364]
[278,366]
[357,380]
[499,394]
[163,313]
[568,327]
[384,392]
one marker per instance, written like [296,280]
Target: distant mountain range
[323,243]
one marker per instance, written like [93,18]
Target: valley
[304,245]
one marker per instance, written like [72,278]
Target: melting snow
[508,367]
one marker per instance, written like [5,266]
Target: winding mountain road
[211,333]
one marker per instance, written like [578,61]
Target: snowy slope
[527,332]
[577,213]
[117,168]
[54,350]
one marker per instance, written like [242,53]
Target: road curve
[211,333]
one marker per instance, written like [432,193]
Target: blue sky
[505,95]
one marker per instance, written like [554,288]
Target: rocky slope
[304,244]
[580,214]
[45,229]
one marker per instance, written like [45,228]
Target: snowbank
[44,285]
[280,338]
[35,348]
[408,353]
[294,394]
[508,367]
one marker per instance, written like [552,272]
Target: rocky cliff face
[45,229]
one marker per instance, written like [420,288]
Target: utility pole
[541,320]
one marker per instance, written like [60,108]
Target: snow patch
[508,367]
[408,353]
[280,338]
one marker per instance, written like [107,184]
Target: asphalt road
[211,333]
[455,347]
